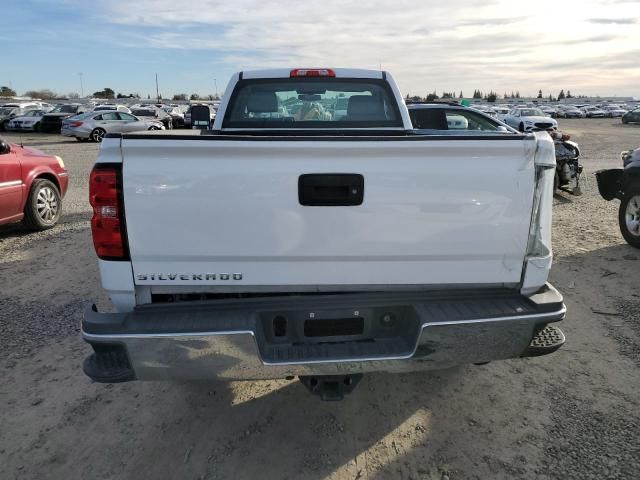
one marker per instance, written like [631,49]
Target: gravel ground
[574,414]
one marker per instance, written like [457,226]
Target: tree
[460,96]
[539,94]
[180,97]
[568,94]
[517,94]
[477,94]
[492,96]
[73,95]
[432,96]
[561,95]
[7,92]
[194,96]
[44,94]
[105,93]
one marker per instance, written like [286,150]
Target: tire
[521,127]
[36,127]
[44,205]
[97,134]
[154,128]
[81,140]
[629,216]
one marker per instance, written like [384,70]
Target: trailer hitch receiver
[331,387]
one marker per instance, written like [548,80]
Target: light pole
[157,91]
[81,86]
[215,82]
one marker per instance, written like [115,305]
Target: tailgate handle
[330,189]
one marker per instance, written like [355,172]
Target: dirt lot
[574,414]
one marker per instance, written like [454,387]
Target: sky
[589,47]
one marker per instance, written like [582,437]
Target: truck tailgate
[218,211]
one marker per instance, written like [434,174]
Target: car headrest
[364,107]
[262,102]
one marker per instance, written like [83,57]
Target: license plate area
[312,327]
[333,327]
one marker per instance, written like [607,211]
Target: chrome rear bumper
[231,339]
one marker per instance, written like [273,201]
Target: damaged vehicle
[624,184]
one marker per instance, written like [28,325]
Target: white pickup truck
[291,242]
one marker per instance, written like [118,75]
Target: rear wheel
[521,127]
[82,139]
[629,216]
[44,205]
[154,128]
[36,127]
[98,134]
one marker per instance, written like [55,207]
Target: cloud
[474,22]
[426,44]
[614,21]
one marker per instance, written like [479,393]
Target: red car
[32,185]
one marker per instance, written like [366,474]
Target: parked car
[624,184]
[256,252]
[594,112]
[548,111]
[613,111]
[95,125]
[632,117]
[32,186]
[7,114]
[30,120]
[454,119]
[111,106]
[177,116]
[154,114]
[528,119]
[570,112]
[486,109]
[501,112]
[52,121]
[187,114]
[24,106]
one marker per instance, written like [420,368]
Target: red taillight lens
[75,124]
[312,72]
[107,222]
[565,137]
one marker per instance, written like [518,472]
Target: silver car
[95,125]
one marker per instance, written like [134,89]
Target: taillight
[312,72]
[107,223]
[75,124]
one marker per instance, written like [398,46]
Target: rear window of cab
[285,103]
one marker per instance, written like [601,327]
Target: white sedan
[528,119]
[614,111]
[29,121]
